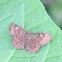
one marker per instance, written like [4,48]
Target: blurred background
[54,9]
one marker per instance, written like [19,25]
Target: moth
[27,40]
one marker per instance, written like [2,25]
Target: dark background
[54,9]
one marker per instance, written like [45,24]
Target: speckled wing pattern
[27,41]
[33,41]
[18,35]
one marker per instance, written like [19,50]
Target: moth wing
[18,35]
[45,38]
[33,41]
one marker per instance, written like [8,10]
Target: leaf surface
[30,15]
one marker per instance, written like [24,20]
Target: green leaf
[30,15]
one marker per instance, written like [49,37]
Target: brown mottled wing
[33,41]
[45,38]
[18,35]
